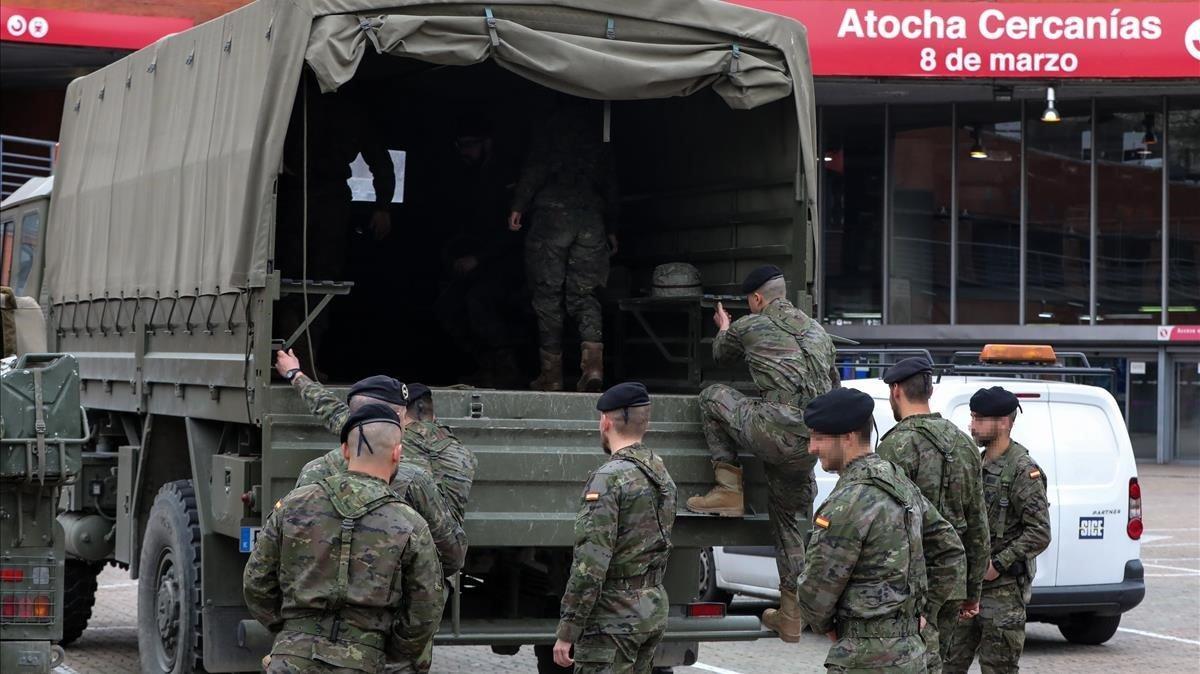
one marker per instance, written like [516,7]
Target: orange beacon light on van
[1018,353]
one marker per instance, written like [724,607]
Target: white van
[1091,572]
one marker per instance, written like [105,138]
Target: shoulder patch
[279,504]
[591,496]
[821,522]
[1035,474]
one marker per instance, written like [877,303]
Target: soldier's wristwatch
[291,374]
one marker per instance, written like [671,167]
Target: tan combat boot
[591,363]
[725,498]
[786,621]
[551,377]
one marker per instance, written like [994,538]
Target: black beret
[629,394]
[994,402]
[841,411]
[758,277]
[907,368]
[370,413]
[381,387]
[417,390]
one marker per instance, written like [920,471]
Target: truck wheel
[1090,629]
[708,580]
[169,587]
[79,595]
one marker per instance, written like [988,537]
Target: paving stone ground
[1160,635]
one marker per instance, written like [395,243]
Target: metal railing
[24,158]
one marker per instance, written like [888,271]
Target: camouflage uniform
[791,361]
[615,607]
[431,446]
[879,556]
[1014,488]
[944,464]
[453,464]
[412,482]
[569,182]
[347,577]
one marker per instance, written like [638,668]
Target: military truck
[42,431]
[162,278]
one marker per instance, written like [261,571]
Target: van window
[1093,455]
[26,249]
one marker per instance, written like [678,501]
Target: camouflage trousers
[294,664]
[873,654]
[942,621]
[734,422]
[566,259]
[616,653]
[997,633]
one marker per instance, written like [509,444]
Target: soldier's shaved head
[773,289]
[374,448]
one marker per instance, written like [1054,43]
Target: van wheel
[169,587]
[708,580]
[1090,629]
[79,595]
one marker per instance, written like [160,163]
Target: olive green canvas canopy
[165,181]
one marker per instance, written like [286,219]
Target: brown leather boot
[591,363]
[786,621]
[725,498]
[551,377]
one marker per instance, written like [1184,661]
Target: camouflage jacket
[413,484]
[1020,531]
[622,541]
[453,464]
[869,556]
[568,167]
[942,461]
[387,592]
[791,357]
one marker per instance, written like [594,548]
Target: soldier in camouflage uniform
[569,181]
[791,360]
[343,573]
[879,555]
[1014,489]
[413,480]
[614,610]
[941,460]
[453,464]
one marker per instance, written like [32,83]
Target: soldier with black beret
[453,464]
[874,532]
[614,611]
[1014,489]
[941,460]
[344,573]
[791,360]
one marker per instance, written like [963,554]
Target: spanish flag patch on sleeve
[821,522]
[1035,474]
[591,496]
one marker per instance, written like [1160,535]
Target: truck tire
[169,587]
[1090,629]
[708,580]
[79,595]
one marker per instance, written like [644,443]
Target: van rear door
[1033,429]
[1092,446]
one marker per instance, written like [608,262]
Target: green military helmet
[676,279]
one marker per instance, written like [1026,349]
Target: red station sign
[1043,40]
[85,29]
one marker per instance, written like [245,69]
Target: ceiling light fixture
[1050,115]
[977,149]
